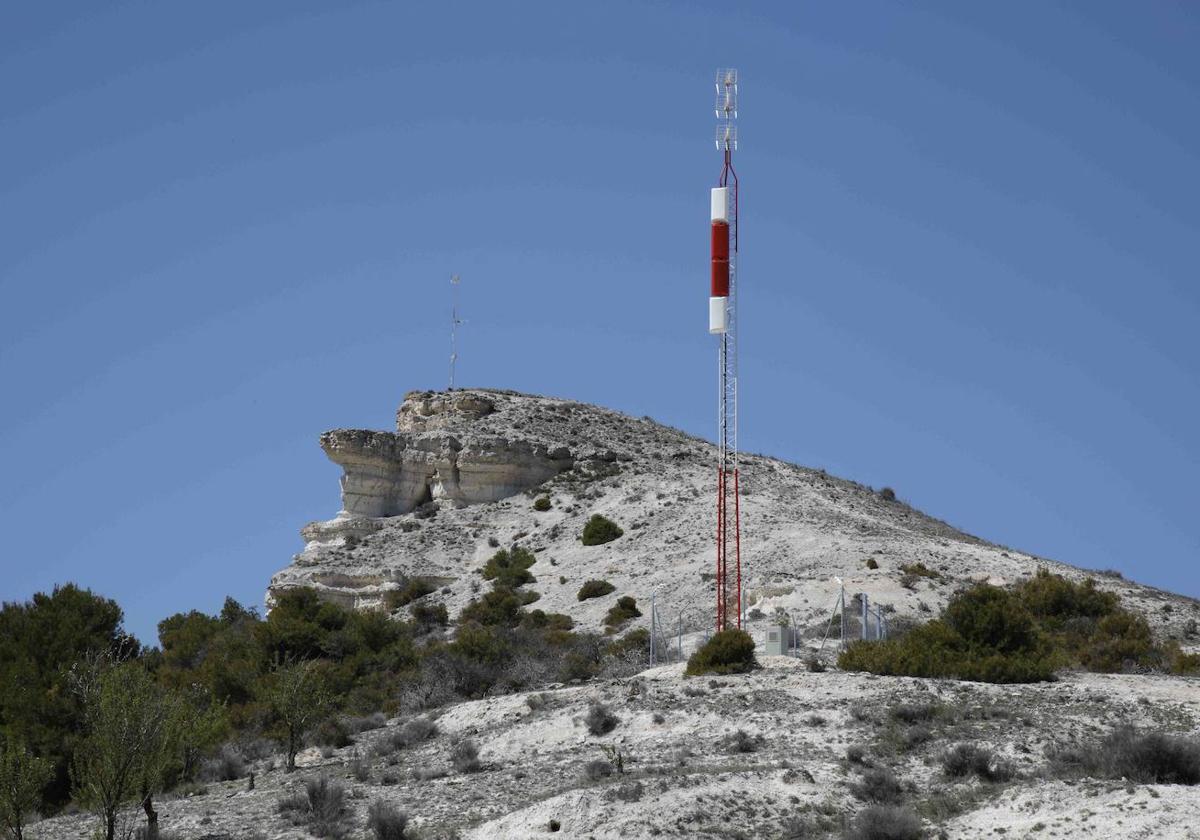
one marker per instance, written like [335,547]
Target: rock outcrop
[393,473]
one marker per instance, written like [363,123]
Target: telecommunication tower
[722,322]
[455,323]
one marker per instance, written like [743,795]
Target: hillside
[811,742]
[459,476]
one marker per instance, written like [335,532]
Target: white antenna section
[455,322]
[726,107]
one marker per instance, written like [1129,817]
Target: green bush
[541,504]
[1023,635]
[872,563]
[410,590]
[600,530]
[594,589]
[622,612]
[510,568]
[727,652]
[985,635]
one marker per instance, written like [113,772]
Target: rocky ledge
[434,457]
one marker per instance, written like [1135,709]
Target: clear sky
[969,259]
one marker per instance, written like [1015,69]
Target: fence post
[866,615]
[842,613]
[653,629]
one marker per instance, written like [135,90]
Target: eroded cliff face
[435,456]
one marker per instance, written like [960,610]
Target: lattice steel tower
[722,322]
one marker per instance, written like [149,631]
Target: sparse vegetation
[742,742]
[872,563]
[1128,753]
[541,504]
[887,494]
[727,652]
[972,760]
[624,611]
[321,807]
[879,785]
[464,757]
[600,530]
[600,720]
[882,822]
[594,589]
[597,769]
[386,822]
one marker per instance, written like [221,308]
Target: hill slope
[459,476]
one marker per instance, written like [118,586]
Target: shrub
[814,664]
[594,589]
[428,616]
[600,530]
[464,757]
[920,570]
[226,766]
[872,563]
[985,634]
[1127,753]
[623,611]
[510,569]
[597,769]
[414,732]
[599,720]
[970,760]
[541,504]
[887,494]
[879,785]
[741,742]
[332,732]
[385,822]
[881,822]
[910,713]
[322,807]
[410,590]
[727,652]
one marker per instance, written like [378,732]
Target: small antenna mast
[454,324]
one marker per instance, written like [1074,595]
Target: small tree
[299,700]
[131,727]
[22,778]
[202,723]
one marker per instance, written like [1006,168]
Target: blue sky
[969,250]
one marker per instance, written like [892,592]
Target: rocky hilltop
[458,477]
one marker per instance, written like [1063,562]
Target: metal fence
[676,633]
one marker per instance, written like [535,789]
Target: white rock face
[388,474]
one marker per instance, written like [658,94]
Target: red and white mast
[722,322]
